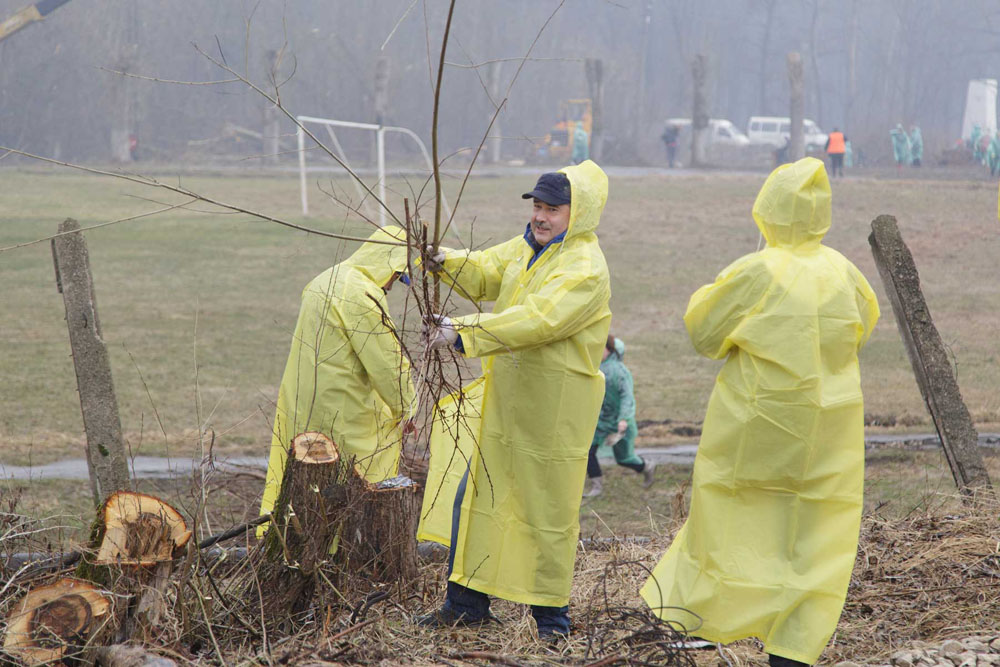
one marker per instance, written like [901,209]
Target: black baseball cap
[552,188]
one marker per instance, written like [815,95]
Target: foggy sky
[911,63]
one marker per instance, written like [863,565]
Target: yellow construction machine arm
[26,15]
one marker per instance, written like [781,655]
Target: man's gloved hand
[433,260]
[439,331]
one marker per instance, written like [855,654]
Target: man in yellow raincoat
[516,521]
[346,375]
[769,544]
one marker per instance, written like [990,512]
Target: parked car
[721,132]
[774,131]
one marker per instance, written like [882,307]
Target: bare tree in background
[594,68]
[814,62]
[639,111]
[852,65]
[796,139]
[699,111]
[493,76]
[765,44]
[122,89]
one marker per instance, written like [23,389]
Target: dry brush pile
[918,583]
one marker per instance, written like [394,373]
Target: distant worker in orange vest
[836,146]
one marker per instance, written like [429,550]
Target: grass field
[197,308]
[197,311]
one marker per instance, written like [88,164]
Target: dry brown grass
[921,578]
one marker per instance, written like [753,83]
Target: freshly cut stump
[328,516]
[136,538]
[139,529]
[306,520]
[56,621]
[379,538]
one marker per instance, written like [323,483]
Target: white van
[774,130]
[720,131]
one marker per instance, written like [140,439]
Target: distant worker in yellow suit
[770,540]
[516,519]
[346,375]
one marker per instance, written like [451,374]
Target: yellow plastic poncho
[453,445]
[346,375]
[541,349]
[770,541]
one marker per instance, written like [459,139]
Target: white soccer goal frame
[379,131]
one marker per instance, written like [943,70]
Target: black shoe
[446,618]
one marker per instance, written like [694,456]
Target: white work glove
[611,439]
[439,331]
[434,261]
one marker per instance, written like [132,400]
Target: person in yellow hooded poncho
[516,518]
[346,375]
[770,541]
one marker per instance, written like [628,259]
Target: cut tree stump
[136,539]
[379,537]
[327,516]
[57,621]
[139,529]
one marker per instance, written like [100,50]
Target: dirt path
[155,467]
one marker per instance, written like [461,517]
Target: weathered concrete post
[105,450]
[928,357]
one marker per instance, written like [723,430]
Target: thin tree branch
[514,59]
[153,183]
[158,80]
[103,224]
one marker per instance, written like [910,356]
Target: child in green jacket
[616,425]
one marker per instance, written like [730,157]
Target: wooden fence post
[105,450]
[928,357]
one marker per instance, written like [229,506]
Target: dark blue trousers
[475,605]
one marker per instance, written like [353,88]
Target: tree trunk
[639,115]
[123,49]
[594,68]
[699,112]
[494,150]
[796,141]
[852,76]
[379,540]
[328,516]
[763,104]
[270,137]
[817,85]
[381,89]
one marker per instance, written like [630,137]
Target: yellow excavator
[558,143]
[28,15]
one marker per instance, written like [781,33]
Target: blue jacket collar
[536,246]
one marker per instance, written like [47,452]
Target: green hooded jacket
[618,405]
